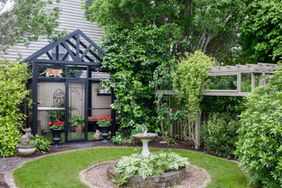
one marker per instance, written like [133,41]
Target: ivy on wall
[136,59]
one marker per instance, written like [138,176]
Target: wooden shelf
[49,108]
[104,94]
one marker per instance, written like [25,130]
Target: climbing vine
[190,79]
[135,59]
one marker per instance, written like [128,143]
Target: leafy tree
[209,26]
[133,57]
[26,21]
[143,38]
[262,31]
[260,136]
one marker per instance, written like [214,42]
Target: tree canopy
[208,26]
[27,20]
[262,31]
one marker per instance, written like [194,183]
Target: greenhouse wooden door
[76,110]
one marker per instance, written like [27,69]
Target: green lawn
[62,170]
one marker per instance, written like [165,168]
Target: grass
[62,170]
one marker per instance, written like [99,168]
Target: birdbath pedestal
[145,138]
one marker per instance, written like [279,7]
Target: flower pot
[26,151]
[77,74]
[56,136]
[78,128]
[105,133]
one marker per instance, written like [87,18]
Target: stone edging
[82,177]
[82,173]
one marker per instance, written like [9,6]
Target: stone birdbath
[145,138]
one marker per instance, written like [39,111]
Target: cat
[52,72]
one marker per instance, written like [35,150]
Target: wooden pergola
[259,70]
[258,73]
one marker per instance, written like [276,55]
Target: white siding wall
[71,18]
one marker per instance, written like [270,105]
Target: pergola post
[253,82]
[262,80]
[198,130]
[239,81]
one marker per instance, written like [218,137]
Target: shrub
[260,136]
[41,143]
[190,79]
[119,139]
[13,91]
[219,135]
[154,164]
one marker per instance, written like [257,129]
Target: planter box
[25,151]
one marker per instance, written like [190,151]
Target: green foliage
[27,21]
[166,118]
[221,104]
[260,142]
[41,143]
[262,31]
[104,123]
[133,56]
[209,26]
[119,139]
[190,80]
[219,135]
[55,114]
[13,92]
[154,164]
[77,120]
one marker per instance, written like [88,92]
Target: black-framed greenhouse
[66,91]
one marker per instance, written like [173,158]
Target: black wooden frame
[91,58]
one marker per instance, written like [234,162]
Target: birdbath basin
[145,138]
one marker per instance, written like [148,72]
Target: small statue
[25,139]
[97,135]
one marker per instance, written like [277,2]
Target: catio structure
[66,80]
[237,80]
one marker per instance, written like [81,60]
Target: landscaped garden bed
[62,170]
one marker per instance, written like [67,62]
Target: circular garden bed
[100,175]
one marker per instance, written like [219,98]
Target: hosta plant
[154,164]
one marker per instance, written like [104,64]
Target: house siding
[71,18]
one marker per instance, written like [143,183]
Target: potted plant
[26,147]
[57,127]
[104,123]
[78,123]
[74,73]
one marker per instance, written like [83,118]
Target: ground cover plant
[260,142]
[62,170]
[154,164]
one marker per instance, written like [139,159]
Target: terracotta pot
[78,128]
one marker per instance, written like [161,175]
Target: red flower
[50,123]
[104,118]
